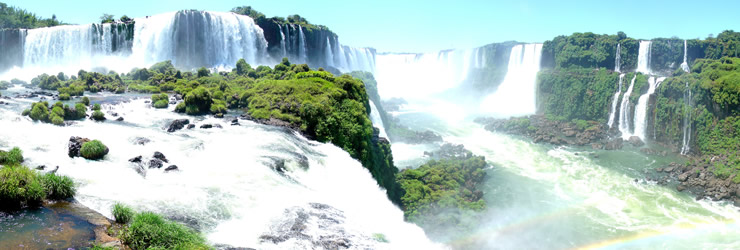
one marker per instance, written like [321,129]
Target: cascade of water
[615,102]
[617,59]
[516,94]
[686,147]
[685,64]
[303,56]
[641,108]
[377,121]
[624,111]
[283,51]
[643,58]
[329,53]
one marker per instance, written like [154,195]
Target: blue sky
[424,26]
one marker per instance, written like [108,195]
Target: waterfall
[377,121]
[303,57]
[641,108]
[617,59]
[624,111]
[329,54]
[685,64]
[418,75]
[615,101]
[686,147]
[283,51]
[194,39]
[516,94]
[643,58]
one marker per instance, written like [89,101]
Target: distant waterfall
[685,64]
[516,94]
[347,59]
[643,58]
[642,107]
[686,148]
[624,111]
[302,45]
[194,39]
[615,102]
[377,121]
[617,59]
[421,75]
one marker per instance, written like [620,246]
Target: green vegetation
[12,157]
[577,93]
[589,50]
[56,114]
[442,193]
[160,101]
[15,18]
[150,231]
[58,187]
[93,150]
[122,213]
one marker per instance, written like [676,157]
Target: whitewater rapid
[227,185]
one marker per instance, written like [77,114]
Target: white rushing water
[624,111]
[190,39]
[643,58]
[641,108]
[377,121]
[685,64]
[227,184]
[617,58]
[686,142]
[517,91]
[615,102]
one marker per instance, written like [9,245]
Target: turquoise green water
[44,228]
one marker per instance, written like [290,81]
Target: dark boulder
[135,159]
[614,144]
[177,125]
[636,141]
[120,119]
[235,122]
[217,126]
[206,126]
[75,144]
[155,163]
[171,168]
[191,126]
[160,156]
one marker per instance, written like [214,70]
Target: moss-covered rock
[93,150]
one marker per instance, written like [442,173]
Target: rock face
[160,156]
[75,144]
[636,141]
[541,129]
[699,179]
[177,125]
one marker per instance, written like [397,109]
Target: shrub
[58,187]
[64,96]
[93,150]
[203,72]
[180,108]
[85,101]
[12,157]
[19,186]
[80,110]
[40,112]
[26,112]
[122,213]
[56,120]
[198,101]
[148,230]
[161,104]
[96,106]
[98,116]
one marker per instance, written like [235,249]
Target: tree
[106,18]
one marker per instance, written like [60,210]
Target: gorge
[299,141]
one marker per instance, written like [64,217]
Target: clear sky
[431,25]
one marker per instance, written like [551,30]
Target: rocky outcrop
[540,129]
[635,141]
[700,178]
[74,146]
[177,125]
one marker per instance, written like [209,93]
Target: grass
[12,157]
[122,213]
[93,150]
[150,231]
[20,186]
[58,187]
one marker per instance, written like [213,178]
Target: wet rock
[680,187]
[635,141]
[141,141]
[120,119]
[217,126]
[155,163]
[191,126]
[235,122]
[114,114]
[614,144]
[177,125]
[160,156]
[206,126]
[75,143]
[171,168]
[135,159]
[42,167]
[219,115]
[683,177]
[597,146]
